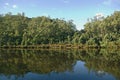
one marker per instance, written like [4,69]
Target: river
[25,64]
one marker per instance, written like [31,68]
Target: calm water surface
[59,65]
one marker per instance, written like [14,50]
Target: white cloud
[7,4]
[14,6]
[99,14]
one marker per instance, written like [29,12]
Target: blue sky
[77,10]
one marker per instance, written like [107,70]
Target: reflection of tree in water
[104,61]
[19,62]
[40,61]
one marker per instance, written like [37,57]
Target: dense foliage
[21,30]
[100,32]
[105,32]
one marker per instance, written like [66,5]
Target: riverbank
[60,46]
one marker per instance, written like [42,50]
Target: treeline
[102,32]
[19,30]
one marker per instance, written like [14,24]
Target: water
[59,65]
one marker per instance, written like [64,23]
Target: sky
[77,10]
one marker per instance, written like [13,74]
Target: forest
[20,30]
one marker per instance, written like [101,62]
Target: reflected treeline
[40,61]
[19,62]
[102,61]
